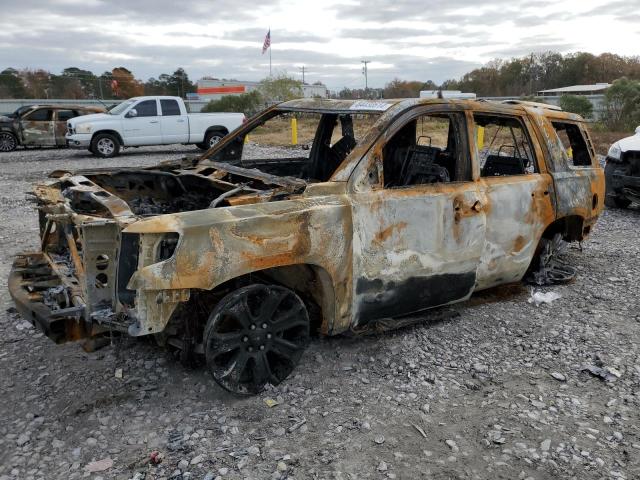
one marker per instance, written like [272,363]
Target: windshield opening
[305,145]
[21,110]
[118,109]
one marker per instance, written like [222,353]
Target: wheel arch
[311,282]
[571,227]
[115,133]
[216,128]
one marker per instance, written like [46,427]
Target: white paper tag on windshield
[369,105]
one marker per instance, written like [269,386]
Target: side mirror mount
[132,113]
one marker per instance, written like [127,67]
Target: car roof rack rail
[526,103]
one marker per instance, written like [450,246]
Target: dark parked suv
[39,125]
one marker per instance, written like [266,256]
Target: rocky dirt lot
[496,392]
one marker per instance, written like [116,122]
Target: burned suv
[39,125]
[384,209]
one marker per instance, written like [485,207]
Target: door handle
[180,121]
[153,121]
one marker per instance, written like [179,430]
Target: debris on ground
[538,297]
[63,408]
[99,465]
[608,374]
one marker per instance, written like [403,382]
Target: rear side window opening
[503,145]
[573,143]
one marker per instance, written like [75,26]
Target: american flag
[267,42]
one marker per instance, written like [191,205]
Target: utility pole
[302,69]
[364,72]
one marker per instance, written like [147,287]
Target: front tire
[8,142]
[254,336]
[105,145]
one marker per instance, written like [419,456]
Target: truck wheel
[254,336]
[8,142]
[210,139]
[105,145]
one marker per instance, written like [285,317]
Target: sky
[408,39]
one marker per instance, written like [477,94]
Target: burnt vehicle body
[39,125]
[622,172]
[241,259]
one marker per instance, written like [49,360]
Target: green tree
[11,85]
[37,83]
[622,105]
[577,104]
[85,78]
[280,88]
[397,88]
[247,103]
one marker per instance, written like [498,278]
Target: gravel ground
[498,392]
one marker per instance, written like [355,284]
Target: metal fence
[8,105]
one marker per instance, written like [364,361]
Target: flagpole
[270,52]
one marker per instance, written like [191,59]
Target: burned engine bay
[170,188]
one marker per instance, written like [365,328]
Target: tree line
[76,83]
[523,76]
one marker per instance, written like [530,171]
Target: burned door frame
[59,129]
[32,135]
[414,247]
[518,209]
[577,187]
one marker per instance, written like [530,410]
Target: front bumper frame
[31,276]
[78,140]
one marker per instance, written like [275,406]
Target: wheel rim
[7,142]
[105,146]
[256,337]
[552,269]
[214,140]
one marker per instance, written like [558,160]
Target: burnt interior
[324,156]
[156,193]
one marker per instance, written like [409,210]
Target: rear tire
[8,142]
[254,336]
[211,139]
[105,145]
[547,266]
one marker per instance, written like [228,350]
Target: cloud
[409,39]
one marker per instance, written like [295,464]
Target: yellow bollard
[246,138]
[480,138]
[294,131]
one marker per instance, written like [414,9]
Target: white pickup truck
[156,120]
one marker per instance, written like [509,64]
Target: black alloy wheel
[254,336]
[8,142]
